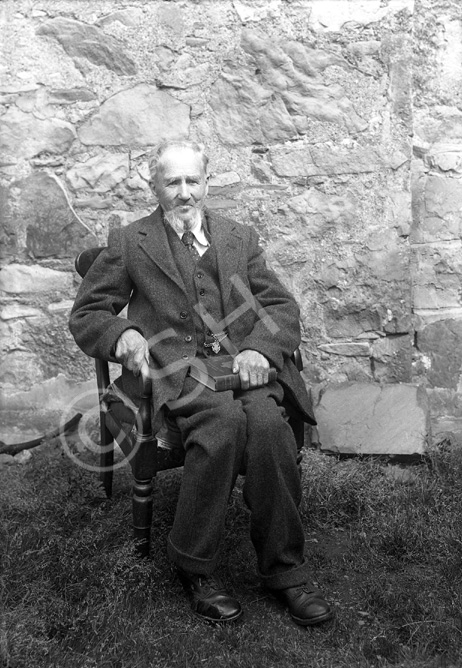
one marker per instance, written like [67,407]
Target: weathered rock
[59,397]
[95,202]
[385,258]
[70,95]
[23,457]
[48,160]
[440,209]
[221,203]
[138,116]
[437,276]
[100,173]
[13,311]
[440,342]
[356,160]
[239,101]
[367,418]
[38,214]
[344,319]
[184,73]
[135,182]
[63,306]
[309,161]
[267,99]
[396,51]
[81,40]
[23,278]
[261,170]
[346,349]
[320,212]
[293,162]
[392,359]
[224,179]
[331,15]
[247,13]
[131,16]
[170,18]
[23,135]
[21,368]
[6,460]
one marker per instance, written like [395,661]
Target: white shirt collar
[198,232]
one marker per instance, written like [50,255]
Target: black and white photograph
[231,334]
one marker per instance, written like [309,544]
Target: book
[217,373]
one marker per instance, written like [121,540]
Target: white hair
[157,153]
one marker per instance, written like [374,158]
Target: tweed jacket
[138,268]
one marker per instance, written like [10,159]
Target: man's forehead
[178,159]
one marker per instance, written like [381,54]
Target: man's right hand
[133,352]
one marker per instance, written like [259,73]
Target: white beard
[180,225]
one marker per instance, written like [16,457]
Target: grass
[385,543]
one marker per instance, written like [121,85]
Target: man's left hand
[253,369]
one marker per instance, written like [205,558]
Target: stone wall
[315,120]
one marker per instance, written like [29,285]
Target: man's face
[181,185]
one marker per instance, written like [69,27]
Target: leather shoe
[209,598]
[307,605]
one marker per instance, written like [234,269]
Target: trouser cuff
[189,563]
[291,578]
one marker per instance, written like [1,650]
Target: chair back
[85,259]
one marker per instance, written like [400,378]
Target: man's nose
[184,192]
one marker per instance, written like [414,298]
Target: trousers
[224,434]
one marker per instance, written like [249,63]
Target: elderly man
[197,285]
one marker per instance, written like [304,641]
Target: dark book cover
[217,373]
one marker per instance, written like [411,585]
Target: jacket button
[188,338]
[202,292]
[183,315]
[199,274]
[185,357]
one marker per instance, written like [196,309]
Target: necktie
[188,240]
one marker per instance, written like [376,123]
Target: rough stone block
[24,135]
[347,349]
[139,116]
[20,278]
[6,460]
[101,173]
[367,418]
[39,220]
[331,15]
[440,342]
[13,311]
[275,106]
[81,40]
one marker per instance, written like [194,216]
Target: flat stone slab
[373,419]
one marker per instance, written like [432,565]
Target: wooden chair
[146,452]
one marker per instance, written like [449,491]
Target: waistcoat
[200,278]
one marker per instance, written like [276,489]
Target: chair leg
[106,458]
[142,515]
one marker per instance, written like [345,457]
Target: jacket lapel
[228,245]
[154,242]
[225,237]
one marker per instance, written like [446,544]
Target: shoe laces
[212,581]
[306,589]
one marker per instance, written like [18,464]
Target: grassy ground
[385,543]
